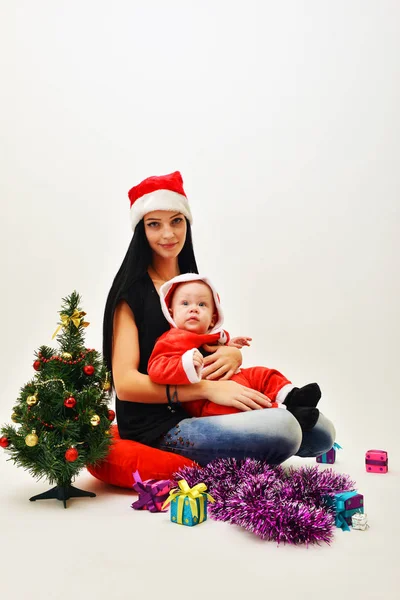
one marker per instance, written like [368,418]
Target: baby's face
[193,307]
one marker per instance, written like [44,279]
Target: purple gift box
[345,505]
[152,493]
[353,504]
[330,456]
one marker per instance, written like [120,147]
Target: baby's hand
[239,342]
[198,360]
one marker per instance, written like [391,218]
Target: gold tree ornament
[95,420]
[107,383]
[14,417]
[32,400]
[75,318]
[66,356]
[31,439]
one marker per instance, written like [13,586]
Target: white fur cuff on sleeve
[193,374]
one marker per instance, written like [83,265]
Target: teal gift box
[345,504]
[187,517]
[188,505]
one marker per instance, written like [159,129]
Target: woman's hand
[222,364]
[230,393]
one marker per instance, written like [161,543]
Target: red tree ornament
[111,415]
[4,442]
[88,369]
[70,402]
[36,365]
[71,454]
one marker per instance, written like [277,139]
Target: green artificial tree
[63,420]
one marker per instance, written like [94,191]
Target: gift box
[359,521]
[376,461]
[345,504]
[330,456]
[188,505]
[152,493]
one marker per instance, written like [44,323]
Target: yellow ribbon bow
[184,491]
[75,318]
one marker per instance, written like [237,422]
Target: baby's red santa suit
[171,361]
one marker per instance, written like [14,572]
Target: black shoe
[309,395]
[307,417]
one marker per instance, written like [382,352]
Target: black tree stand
[63,493]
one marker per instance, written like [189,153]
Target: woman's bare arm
[130,385]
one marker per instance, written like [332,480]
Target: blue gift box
[345,504]
[182,511]
[188,505]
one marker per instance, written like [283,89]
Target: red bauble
[111,415]
[36,365]
[71,454]
[88,369]
[70,402]
[4,442]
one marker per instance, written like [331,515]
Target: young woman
[161,248]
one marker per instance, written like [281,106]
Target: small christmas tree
[62,413]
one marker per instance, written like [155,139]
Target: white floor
[101,548]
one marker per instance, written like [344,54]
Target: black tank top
[140,421]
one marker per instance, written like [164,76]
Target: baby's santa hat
[164,192]
[167,291]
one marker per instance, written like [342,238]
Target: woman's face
[165,232]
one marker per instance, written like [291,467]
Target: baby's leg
[206,408]
[301,402]
[267,381]
[210,409]
[196,407]
[278,388]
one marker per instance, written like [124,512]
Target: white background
[283,118]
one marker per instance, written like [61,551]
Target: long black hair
[134,266]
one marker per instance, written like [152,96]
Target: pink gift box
[376,461]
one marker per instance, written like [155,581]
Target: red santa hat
[164,192]
[167,291]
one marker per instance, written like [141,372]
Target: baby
[192,306]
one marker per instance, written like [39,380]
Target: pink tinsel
[276,504]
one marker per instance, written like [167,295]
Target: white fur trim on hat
[159,200]
[168,287]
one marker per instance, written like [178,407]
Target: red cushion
[126,456]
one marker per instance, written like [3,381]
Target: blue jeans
[271,435]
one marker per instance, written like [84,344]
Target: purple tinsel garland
[276,504]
